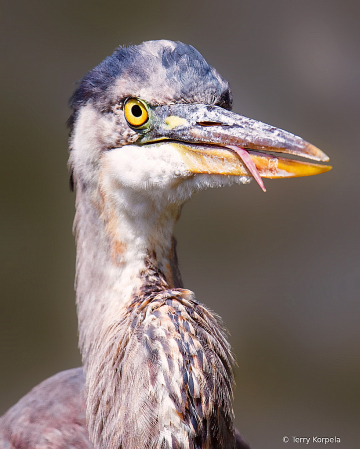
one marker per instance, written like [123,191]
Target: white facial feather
[146,168]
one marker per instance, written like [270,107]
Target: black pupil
[136,111]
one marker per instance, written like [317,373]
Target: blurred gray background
[281,268]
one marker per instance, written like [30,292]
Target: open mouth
[266,165]
[237,161]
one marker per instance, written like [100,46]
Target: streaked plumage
[157,362]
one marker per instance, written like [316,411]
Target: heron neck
[125,246]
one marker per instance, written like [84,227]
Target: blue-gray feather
[185,70]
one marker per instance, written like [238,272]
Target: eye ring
[136,112]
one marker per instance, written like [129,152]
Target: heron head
[157,118]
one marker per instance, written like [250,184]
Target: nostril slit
[210,124]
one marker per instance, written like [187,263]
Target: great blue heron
[151,125]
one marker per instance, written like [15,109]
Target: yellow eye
[135,112]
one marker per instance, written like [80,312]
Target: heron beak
[216,141]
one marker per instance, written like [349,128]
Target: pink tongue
[245,157]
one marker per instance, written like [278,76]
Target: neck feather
[123,248]
[158,365]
